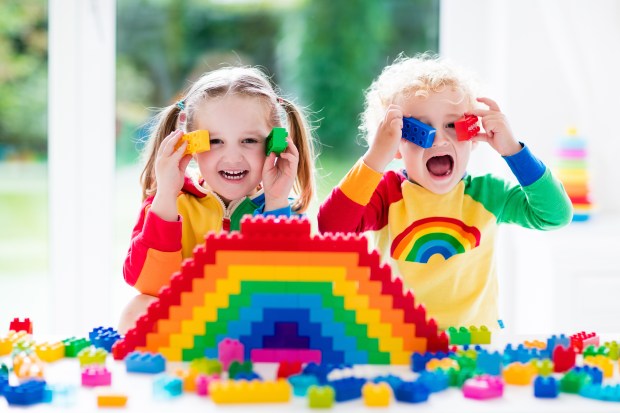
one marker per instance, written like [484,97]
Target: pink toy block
[276,356]
[202,383]
[96,375]
[230,350]
[483,387]
[18,325]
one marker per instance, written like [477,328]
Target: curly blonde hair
[412,76]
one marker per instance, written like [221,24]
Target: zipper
[228,211]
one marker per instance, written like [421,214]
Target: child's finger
[490,103]
[167,145]
[480,137]
[185,160]
[291,148]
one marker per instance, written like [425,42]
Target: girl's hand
[170,168]
[279,175]
[384,147]
[497,132]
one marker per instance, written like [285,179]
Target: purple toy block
[96,375]
[483,387]
[230,350]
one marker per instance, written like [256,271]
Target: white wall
[550,64]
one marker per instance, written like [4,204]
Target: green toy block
[206,366]
[462,336]
[74,345]
[614,350]
[594,351]
[321,397]
[572,382]
[236,368]
[276,141]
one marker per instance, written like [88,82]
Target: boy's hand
[385,145]
[170,165]
[497,132]
[279,173]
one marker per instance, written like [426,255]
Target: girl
[239,107]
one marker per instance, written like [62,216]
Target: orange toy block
[519,374]
[112,400]
[197,141]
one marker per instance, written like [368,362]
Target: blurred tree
[23,75]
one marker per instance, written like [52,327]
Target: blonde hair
[246,81]
[412,76]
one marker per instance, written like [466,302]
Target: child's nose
[441,138]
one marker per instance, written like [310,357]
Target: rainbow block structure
[572,171]
[286,295]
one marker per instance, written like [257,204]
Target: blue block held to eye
[418,132]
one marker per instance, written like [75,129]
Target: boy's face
[238,129]
[440,167]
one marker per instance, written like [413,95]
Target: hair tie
[280,100]
[181,104]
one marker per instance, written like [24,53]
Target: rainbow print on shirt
[434,235]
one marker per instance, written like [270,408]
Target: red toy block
[563,359]
[466,127]
[288,368]
[581,340]
[17,325]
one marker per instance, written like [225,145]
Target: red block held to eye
[466,127]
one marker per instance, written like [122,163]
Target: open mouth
[233,175]
[440,166]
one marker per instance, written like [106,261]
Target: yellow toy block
[6,346]
[111,400]
[376,394]
[519,374]
[535,344]
[255,391]
[602,362]
[50,352]
[198,141]
[444,364]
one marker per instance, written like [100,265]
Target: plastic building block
[483,387]
[347,389]
[206,366]
[288,368]
[544,367]
[27,366]
[236,368]
[202,383]
[321,397]
[459,336]
[188,376]
[276,141]
[573,381]
[443,364]
[138,362]
[26,394]
[519,374]
[411,392]
[229,392]
[6,346]
[554,341]
[376,394]
[605,364]
[435,381]
[197,141]
[591,351]
[96,375]
[111,400]
[466,127]
[563,358]
[62,395]
[489,363]
[418,132]
[612,346]
[18,325]
[247,376]
[104,337]
[581,340]
[537,344]
[230,350]
[480,335]
[92,355]
[165,387]
[546,387]
[301,383]
[74,345]
[500,323]
[609,393]
[420,360]
[50,352]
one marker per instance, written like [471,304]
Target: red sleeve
[360,202]
[154,253]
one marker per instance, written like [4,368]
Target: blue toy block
[139,362]
[489,363]
[393,381]
[104,337]
[4,382]
[63,395]
[595,373]
[249,376]
[411,392]
[609,393]
[418,132]
[25,394]
[166,387]
[301,383]
[347,389]
[435,381]
[546,387]
[419,360]
[554,341]
[522,354]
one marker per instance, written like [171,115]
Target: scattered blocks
[138,362]
[376,394]
[96,375]
[483,388]
[321,397]
[610,393]
[17,325]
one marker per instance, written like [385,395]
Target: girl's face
[440,167]
[238,127]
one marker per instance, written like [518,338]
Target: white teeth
[234,175]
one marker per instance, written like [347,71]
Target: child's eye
[215,141]
[249,140]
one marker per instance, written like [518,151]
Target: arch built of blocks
[287,296]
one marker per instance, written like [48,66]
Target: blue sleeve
[526,167]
